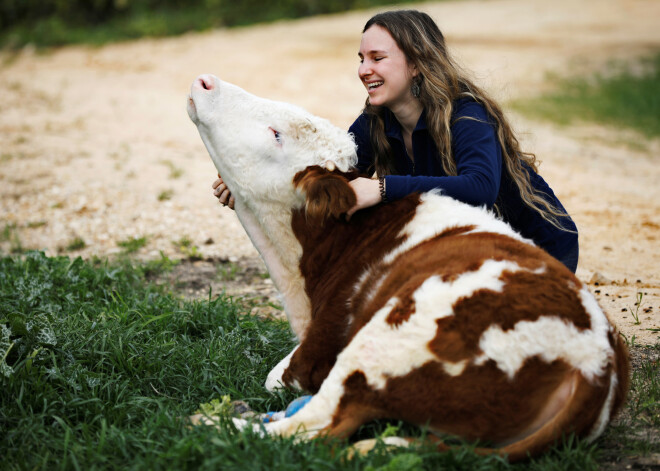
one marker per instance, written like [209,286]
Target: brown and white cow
[425,309]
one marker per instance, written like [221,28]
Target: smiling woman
[427,127]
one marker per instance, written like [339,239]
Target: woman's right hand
[223,194]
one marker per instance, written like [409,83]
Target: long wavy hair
[441,82]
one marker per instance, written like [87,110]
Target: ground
[97,148]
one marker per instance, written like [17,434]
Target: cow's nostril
[206,82]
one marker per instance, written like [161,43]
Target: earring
[414,88]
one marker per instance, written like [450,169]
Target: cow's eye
[277,135]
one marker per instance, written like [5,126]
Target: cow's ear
[327,193]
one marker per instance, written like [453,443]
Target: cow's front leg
[311,363]
[275,377]
[305,424]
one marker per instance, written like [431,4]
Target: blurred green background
[47,23]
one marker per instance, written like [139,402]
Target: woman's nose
[364,70]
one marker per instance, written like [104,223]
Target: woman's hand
[367,192]
[223,194]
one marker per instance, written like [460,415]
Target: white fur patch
[551,338]
[606,411]
[274,380]
[382,350]
[437,213]
[371,290]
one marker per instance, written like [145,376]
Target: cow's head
[259,145]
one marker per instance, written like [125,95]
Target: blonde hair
[441,82]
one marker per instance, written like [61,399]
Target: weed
[165,195]
[78,243]
[36,224]
[133,244]
[645,387]
[7,232]
[635,311]
[629,342]
[227,271]
[186,247]
[154,268]
[175,172]
[10,234]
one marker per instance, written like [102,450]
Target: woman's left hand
[367,192]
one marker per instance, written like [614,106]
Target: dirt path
[96,144]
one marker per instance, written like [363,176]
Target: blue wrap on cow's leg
[293,408]
[296,405]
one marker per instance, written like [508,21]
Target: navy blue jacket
[481,177]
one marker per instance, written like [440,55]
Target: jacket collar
[393,128]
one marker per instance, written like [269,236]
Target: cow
[424,310]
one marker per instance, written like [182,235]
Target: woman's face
[384,69]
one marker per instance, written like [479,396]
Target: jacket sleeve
[478,163]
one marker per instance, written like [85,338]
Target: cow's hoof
[201,419]
[242,424]
[365,446]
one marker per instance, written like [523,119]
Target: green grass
[98,367]
[628,96]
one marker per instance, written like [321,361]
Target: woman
[426,127]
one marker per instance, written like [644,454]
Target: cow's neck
[270,231]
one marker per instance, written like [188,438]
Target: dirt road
[96,145]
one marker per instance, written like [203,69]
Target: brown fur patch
[480,404]
[401,311]
[335,253]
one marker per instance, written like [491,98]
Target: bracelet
[381,187]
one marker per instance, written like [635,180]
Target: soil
[97,148]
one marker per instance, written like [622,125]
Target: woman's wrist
[382,189]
